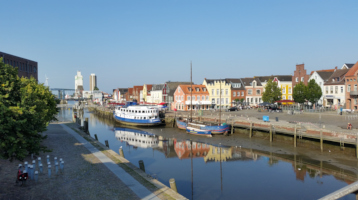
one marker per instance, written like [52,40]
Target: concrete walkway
[141,191]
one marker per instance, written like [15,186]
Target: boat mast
[191,93]
[220,106]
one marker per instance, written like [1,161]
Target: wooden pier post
[173,185]
[357,147]
[250,135]
[121,152]
[271,133]
[95,137]
[321,139]
[106,142]
[295,137]
[232,126]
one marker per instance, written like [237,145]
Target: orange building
[183,99]
[351,88]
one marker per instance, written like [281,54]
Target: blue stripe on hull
[139,122]
[203,133]
[217,129]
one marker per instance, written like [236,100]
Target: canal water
[203,170]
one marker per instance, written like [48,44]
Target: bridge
[62,92]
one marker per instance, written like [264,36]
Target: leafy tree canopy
[313,91]
[272,92]
[299,92]
[95,88]
[26,108]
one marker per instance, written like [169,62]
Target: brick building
[238,90]
[300,75]
[351,87]
[183,99]
[26,68]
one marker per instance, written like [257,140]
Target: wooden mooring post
[141,165]
[271,133]
[106,142]
[357,147]
[232,126]
[321,139]
[250,135]
[95,137]
[173,185]
[295,137]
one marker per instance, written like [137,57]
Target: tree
[313,92]
[95,88]
[26,108]
[272,92]
[299,93]
[237,101]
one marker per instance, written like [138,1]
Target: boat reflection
[136,138]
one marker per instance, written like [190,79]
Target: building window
[212,92]
[255,100]
[290,97]
[289,90]
[296,79]
[258,91]
[213,100]
[217,92]
[252,100]
[331,89]
[217,101]
[188,98]
[234,94]
[283,97]
[226,92]
[349,88]
[342,89]
[326,89]
[355,87]
[238,94]
[222,101]
[302,79]
[227,101]
[336,89]
[248,100]
[249,91]
[242,93]
[203,98]
[222,91]
[283,90]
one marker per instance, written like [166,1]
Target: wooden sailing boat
[193,128]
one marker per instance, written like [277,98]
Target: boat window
[144,117]
[135,111]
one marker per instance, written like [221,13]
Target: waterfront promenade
[92,171]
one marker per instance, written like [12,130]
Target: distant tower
[93,81]
[78,82]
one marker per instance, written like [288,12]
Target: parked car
[232,109]
[274,109]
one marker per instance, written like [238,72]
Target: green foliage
[272,92]
[313,92]
[299,92]
[26,108]
[95,88]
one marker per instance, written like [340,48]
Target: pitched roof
[172,86]
[323,70]
[248,81]
[236,80]
[149,87]
[122,90]
[212,81]
[130,91]
[279,77]
[324,75]
[186,90]
[157,87]
[138,88]
[349,65]
[352,70]
[337,75]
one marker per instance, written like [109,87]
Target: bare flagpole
[191,93]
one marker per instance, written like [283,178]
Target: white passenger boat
[137,138]
[139,115]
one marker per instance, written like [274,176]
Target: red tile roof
[352,70]
[185,89]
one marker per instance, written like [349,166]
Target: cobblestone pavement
[84,177]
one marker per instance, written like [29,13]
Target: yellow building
[284,82]
[146,91]
[213,86]
[214,154]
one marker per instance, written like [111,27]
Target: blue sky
[131,42]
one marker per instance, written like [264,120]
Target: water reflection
[136,138]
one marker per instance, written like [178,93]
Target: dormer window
[189,89]
[197,89]
[204,89]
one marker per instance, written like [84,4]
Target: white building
[320,78]
[86,94]
[78,83]
[335,90]
[119,95]
[156,94]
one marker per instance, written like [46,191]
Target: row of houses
[339,88]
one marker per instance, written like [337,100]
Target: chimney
[335,68]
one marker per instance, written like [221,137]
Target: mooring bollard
[173,185]
[85,128]
[41,168]
[48,158]
[56,167]
[141,165]
[62,165]
[36,176]
[49,171]
[26,166]
[55,160]
[95,136]
[30,171]
[106,142]
[39,160]
[34,164]
[121,152]
[270,132]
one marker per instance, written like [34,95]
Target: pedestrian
[349,127]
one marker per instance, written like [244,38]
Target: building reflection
[136,138]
